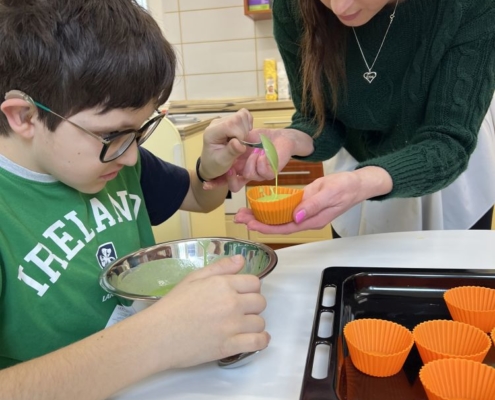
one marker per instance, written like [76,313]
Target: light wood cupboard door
[212,223]
[272,119]
[238,231]
[295,174]
[294,238]
[166,143]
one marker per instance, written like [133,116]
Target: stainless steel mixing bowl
[196,252]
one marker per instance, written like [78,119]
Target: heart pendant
[369,76]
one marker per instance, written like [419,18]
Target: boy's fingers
[253,324]
[246,342]
[224,266]
[253,303]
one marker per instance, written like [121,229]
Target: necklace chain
[371,75]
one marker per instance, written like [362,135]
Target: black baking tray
[405,296]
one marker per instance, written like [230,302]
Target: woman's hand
[287,142]
[325,199]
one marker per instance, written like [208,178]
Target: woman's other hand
[325,199]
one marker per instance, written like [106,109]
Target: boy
[81,80]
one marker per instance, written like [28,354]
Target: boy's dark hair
[72,55]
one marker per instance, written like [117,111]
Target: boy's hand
[253,165]
[213,313]
[221,150]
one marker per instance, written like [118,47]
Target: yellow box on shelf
[270,75]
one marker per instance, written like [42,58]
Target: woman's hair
[81,54]
[323,51]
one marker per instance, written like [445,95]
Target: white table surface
[291,291]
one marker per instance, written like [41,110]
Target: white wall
[220,50]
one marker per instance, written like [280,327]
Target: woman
[394,93]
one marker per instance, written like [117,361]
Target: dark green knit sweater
[420,117]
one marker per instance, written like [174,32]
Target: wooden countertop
[225,105]
[191,128]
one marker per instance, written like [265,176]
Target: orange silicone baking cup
[474,305]
[457,378]
[378,347]
[274,212]
[492,335]
[438,339]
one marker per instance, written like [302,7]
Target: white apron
[458,206]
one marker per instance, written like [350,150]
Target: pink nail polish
[256,151]
[300,216]
[230,172]
[262,152]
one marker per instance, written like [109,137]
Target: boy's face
[72,156]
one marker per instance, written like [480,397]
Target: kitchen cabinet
[272,118]
[266,114]
[256,15]
[295,174]
[238,231]
[212,223]
[167,143]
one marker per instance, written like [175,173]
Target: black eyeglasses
[115,143]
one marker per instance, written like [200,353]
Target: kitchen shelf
[256,15]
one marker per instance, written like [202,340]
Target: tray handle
[322,355]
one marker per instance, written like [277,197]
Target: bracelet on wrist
[198,163]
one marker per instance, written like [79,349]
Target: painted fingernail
[230,172]
[300,216]
[262,152]
[256,151]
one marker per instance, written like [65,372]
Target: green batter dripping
[271,154]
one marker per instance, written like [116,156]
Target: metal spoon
[255,145]
[236,360]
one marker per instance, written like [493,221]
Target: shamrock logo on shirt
[106,254]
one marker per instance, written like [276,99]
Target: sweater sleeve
[287,32]
[460,93]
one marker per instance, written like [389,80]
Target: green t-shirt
[54,242]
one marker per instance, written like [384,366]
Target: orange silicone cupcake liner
[438,339]
[378,347]
[474,305]
[457,378]
[492,335]
[274,212]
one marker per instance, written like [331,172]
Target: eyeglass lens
[118,146]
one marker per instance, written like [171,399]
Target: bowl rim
[105,284]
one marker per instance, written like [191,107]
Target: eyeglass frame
[106,140]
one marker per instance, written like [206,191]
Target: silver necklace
[371,75]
